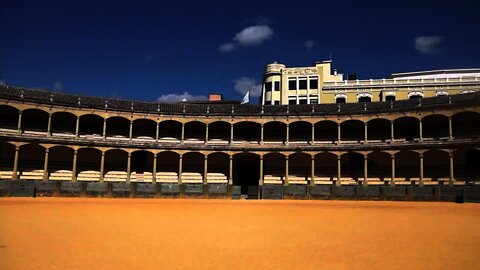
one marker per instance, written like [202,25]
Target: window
[277,86]
[277,102]
[302,83]
[314,101]
[268,86]
[292,102]
[292,85]
[313,83]
[303,101]
[390,98]
[340,100]
[415,96]
[364,99]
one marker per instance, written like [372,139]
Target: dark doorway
[246,172]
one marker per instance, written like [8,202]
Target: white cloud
[173,98]
[428,44]
[309,44]
[250,36]
[57,86]
[245,84]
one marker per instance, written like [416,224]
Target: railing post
[366,132]
[261,133]
[287,138]
[206,133]
[231,133]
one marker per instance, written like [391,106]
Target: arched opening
[406,128]
[435,127]
[436,165]
[219,132]
[170,131]
[465,163]
[63,123]
[352,168]
[365,99]
[167,167]
[379,167]
[60,163]
[274,132]
[352,131]
[34,121]
[195,131]
[299,168]
[31,161]
[9,118]
[300,131]
[218,168]
[7,159]
[326,132]
[274,168]
[378,130]
[193,165]
[246,132]
[407,167]
[115,167]
[340,100]
[466,125]
[91,125]
[88,164]
[246,171]
[144,129]
[141,169]
[118,127]
[325,168]
[415,96]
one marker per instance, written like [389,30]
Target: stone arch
[193,167]
[406,128]
[63,123]
[7,159]
[274,131]
[60,162]
[246,170]
[246,131]
[300,131]
[465,162]
[88,164]
[141,169]
[274,168]
[31,161]
[300,168]
[218,167]
[436,165]
[325,168]
[115,166]
[118,127]
[91,125]
[352,167]
[352,131]
[167,167]
[435,126]
[379,129]
[144,128]
[34,120]
[195,131]
[407,166]
[170,130]
[326,131]
[379,166]
[219,132]
[9,118]
[466,125]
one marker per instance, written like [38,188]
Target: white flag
[246,98]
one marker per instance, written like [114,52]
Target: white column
[49,125]
[260,183]
[286,171]
[104,128]
[45,165]
[15,163]
[183,133]
[230,171]
[205,170]
[129,162]
[180,165]
[157,131]
[19,123]
[74,165]
[130,133]
[77,126]
[102,167]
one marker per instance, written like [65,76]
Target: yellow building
[319,84]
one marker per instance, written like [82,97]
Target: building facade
[320,85]
[68,144]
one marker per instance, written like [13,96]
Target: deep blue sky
[145,49]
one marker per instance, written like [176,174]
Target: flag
[246,98]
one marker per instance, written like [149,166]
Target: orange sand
[80,233]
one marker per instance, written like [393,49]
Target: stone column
[74,165]
[421,169]
[154,169]
[450,128]
[45,165]
[130,133]
[231,133]
[339,134]
[19,123]
[261,134]
[365,169]
[451,178]
[104,134]
[180,165]
[286,171]
[312,180]
[313,134]
[230,171]
[15,163]
[129,164]
[102,167]
[260,182]
[392,182]
[366,132]
[339,170]
[205,170]
[49,125]
[420,129]
[157,132]
[182,139]
[77,127]
[287,138]
[392,131]
[206,133]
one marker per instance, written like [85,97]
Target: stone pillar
[365,169]
[180,165]
[421,169]
[231,133]
[45,165]
[77,127]
[392,182]
[392,131]
[451,178]
[74,165]
[157,132]
[49,125]
[182,139]
[450,128]
[313,134]
[339,134]
[206,133]
[205,170]
[15,163]
[366,132]
[230,171]
[102,167]
[129,163]
[286,171]
[420,129]
[104,134]
[19,123]
[312,180]
[261,134]
[287,138]
[260,182]
[339,170]
[130,133]
[154,169]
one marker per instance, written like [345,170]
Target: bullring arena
[312,159]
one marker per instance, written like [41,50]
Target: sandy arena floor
[80,233]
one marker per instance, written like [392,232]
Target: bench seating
[166,177]
[89,176]
[115,176]
[217,178]
[192,178]
[60,175]
[141,177]
[273,179]
[31,175]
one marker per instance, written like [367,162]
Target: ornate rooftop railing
[78,101]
